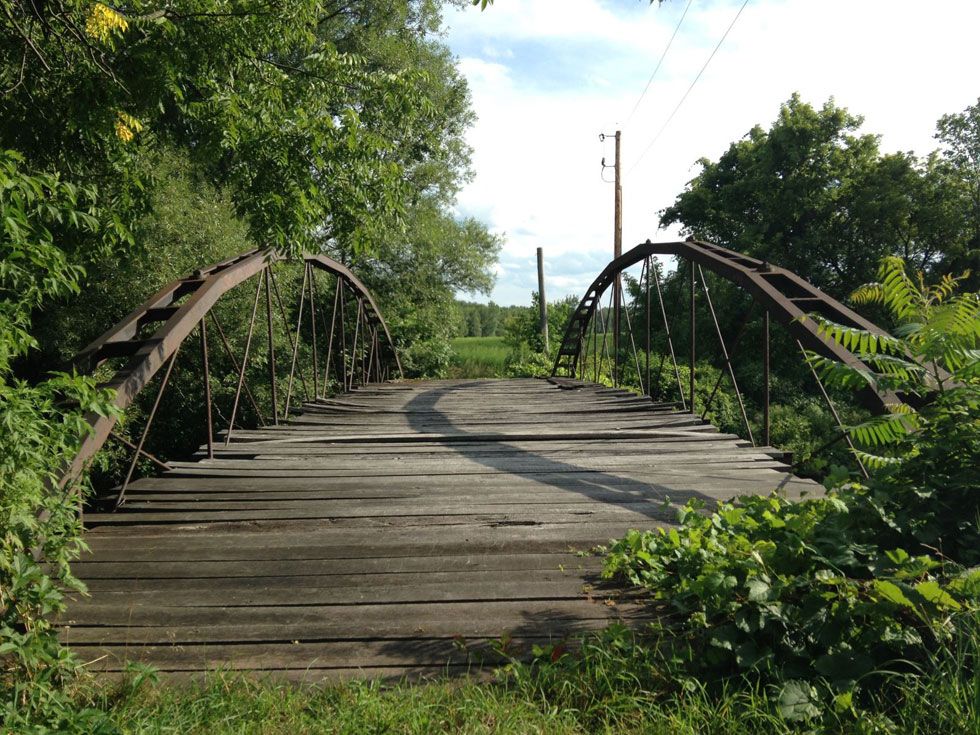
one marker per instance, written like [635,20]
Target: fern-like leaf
[838,374]
[868,293]
[858,341]
[899,293]
[886,429]
[895,367]
[877,461]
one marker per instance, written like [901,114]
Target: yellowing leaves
[102,22]
[127,126]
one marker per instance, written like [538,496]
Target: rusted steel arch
[371,308]
[781,292]
[202,289]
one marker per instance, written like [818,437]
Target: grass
[478,357]
[613,685]
[226,705]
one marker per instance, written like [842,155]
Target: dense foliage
[149,139]
[832,600]
[39,526]
[816,196]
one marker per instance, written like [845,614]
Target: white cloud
[548,77]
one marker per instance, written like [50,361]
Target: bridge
[378,526]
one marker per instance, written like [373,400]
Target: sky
[548,76]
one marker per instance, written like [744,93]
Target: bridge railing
[331,327]
[777,293]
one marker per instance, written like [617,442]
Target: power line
[659,63]
[678,107]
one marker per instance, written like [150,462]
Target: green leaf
[798,701]
[934,593]
[758,590]
[892,592]
[844,702]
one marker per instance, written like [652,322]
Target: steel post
[766,440]
[203,329]
[272,347]
[241,374]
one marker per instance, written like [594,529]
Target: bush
[41,426]
[832,601]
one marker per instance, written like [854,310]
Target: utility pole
[617,251]
[542,302]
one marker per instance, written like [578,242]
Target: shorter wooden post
[542,302]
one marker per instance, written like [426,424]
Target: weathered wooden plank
[319,655]
[503,515]
[375,530]
[319,630]
[339,621]
[89,569]
[312,540]
[564,588]
[655,484]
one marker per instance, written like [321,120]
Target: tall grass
[615,682]
[478,357]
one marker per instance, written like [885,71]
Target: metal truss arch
[781,293]
[180,307]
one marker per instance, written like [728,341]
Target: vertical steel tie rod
[670,341]
[636,357]
[316,368]
[272,346]
[241,374]
[343,341]
[724,353]
[646,272]
[693,330]
[766,440]
[292,365]
[146,429]
[353,350]
[202,327]
[333,322]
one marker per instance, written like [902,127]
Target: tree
[417,272]
[959,165]
[810,194]
[303,109]
[337,129]
[40,427]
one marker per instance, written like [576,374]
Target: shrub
[831,600]
[40,429]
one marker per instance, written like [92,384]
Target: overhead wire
[659,63]
[688,92]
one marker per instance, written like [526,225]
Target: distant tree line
[483,320]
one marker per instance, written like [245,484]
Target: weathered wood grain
[397,530]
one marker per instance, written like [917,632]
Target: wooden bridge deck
[395,530]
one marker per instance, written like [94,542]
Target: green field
[478,357]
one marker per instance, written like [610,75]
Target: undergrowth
[617,681]
[842,605]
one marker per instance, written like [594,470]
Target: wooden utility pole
[542,302]
[617,251]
